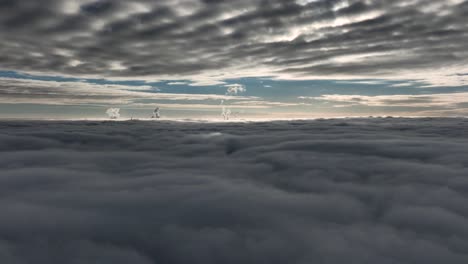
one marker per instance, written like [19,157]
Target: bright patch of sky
[248,97]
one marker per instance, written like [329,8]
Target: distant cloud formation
[207,41]
[328,191]
[113,113]
[234,89]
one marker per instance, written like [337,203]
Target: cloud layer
[328,191]
[21,91]
[450,101]
[211,40]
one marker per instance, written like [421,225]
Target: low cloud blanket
[325,191]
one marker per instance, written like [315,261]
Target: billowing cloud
[113,113]
[234,89]
[333,191]
[208,41]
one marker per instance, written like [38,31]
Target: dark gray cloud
[142,38]
[328,191]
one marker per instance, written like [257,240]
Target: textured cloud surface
[325,191]
[212,40]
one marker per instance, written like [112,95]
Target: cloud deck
[324,191]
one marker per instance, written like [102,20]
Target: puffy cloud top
[328,191]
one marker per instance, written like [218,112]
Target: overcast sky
[302,58]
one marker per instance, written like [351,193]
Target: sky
[258,58]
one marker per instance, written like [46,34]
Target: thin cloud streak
[66,93]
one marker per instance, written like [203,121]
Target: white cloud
[113,113]
[234,89]
[178,83]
